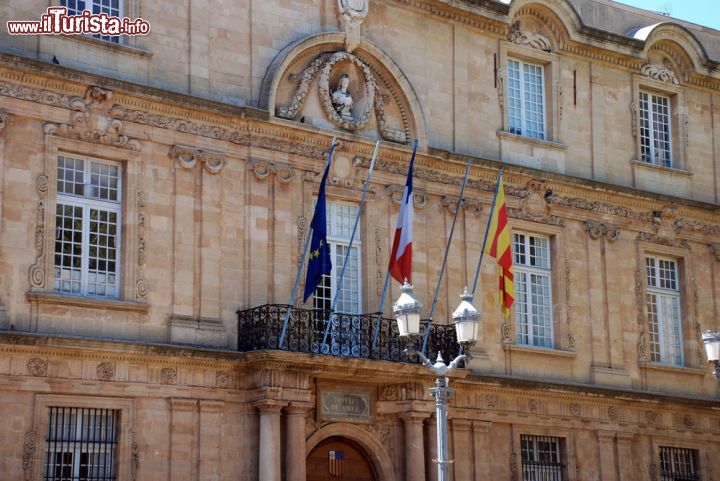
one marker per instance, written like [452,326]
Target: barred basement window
[81,444]
[533,290]
[655,133]
[663,305]
[541,458]
[87,227]
[677,464]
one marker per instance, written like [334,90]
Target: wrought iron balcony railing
[351,335]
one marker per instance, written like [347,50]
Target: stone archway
[371,448]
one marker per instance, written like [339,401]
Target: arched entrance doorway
[339,459]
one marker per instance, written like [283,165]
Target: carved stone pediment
[537,40]
[95,118]
[662,72]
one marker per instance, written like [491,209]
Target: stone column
[431,428]
[295,461]
[269,459]
[481,445]
[414,446]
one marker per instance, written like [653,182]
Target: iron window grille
[678,464]
[81,444]
[542,458]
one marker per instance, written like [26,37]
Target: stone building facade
[155,195]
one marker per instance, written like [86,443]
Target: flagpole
[487,229]
[376,328]
[302,262]
[447,250]
[325,348]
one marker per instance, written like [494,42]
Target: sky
[702,12]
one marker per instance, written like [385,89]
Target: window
[526,99]
[87,227]
[678,464]
[655,133]
[533,293]
[80,444]
[112,8]
[663,305]
[541,458]
[340,222]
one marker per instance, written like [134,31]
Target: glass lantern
[467,319]
[407,312]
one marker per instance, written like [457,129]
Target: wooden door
[339,459]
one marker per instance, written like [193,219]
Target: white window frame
[661,354]
[334,241]
[88,203]
[89,5]
[650,115]
[522,65]
[532,270]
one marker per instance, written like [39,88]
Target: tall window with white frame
[81,443]
[340,221]
[655,129]
[526,99]
[87,227]
[542,458]
[112,8]
[533,290]
[663,305]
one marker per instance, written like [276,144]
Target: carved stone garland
[37,270]
[361,121]
[95,118]
[141,287]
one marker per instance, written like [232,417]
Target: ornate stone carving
[470,205]
[513,467]
[380,429]
[342,100]
[665,222]
[575,409]
[263,168]
[646,237]
[640,304]
[352,15]
[663,73]
[500,79]
[37,366]
[633,113]
[37,270]
[688,421]
[491,401]
[141,288]
[344,169]
[105,371]
[379,271]
[650,417]
[301,226]
[95,118]
[29,454]
[187,157]
[505,331]
[597,230]
[305,77]
[4,119]
[344,119]
[389,393]
[168,375]
[222,379]
[529,39]
[533,406]
[420,197]
[653,472]
[541,219]
[134,456]
[386,132]
[612,413]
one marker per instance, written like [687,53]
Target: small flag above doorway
[335,462]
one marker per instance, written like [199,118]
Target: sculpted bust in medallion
[341,99]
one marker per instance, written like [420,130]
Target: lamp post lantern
[712,349]
[466,318]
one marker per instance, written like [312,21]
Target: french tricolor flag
[401,256]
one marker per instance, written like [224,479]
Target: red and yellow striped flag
[498,245]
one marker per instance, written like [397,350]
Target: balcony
[259,329]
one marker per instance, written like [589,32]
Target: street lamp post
[466,318]
[712,349]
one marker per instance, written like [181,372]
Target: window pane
[70,176]
[533,293]
[102,253]
[68,248]
[655,129]
[533,101]
[349,296]
[514,98]
[75,7]
[104,181]
[663,307]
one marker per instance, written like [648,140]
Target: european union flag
[319,263]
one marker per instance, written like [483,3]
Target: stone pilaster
[462,449]
[269,460]
[183,464]
[414,446]
[211,420]
[431,430]
[625,456]
[481,447]
[606,442]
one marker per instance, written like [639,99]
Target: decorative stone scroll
[597,230]
[662,73]
[450,203]
[37,270]
[633,113]
[534,40]
[263,168]
[640,303]
[141,287]
[95,118]
[420,197]
[213,162]
[664,241]
[29,455]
